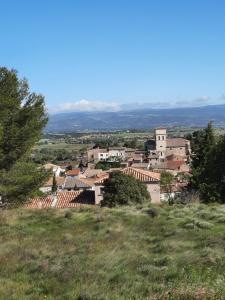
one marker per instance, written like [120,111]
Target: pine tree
[22,118]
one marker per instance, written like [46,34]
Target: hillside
[95,253]
[138,119]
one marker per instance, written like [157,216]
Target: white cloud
[85,105]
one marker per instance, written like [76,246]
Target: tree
[166,180]
[22,118]
[122,189]
[54,184]
[208,165]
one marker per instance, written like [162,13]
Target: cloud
[85,105]
[199,101]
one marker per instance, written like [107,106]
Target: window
[163,137]
[159,137]
[161,153]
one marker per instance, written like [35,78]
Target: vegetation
[22,118]
[166,180]
[122,189]
[106,165]
[208,164]
[54,184]
[120,253]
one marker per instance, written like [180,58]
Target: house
[174,167]
[74,183]
[97,184]
[112,153]
[153,159]
[117,153]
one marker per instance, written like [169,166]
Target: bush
[68,215]
[153,212]
[122,189]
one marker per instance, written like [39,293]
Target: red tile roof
[74,199]
[171,165]
[63,200]
[40,202]
[73,172]
[142,175]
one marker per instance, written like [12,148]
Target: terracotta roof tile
[40,202]
[171,165]
[63,200]
[142,175]
[73,172]
[74,198]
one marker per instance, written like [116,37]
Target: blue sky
[108,55]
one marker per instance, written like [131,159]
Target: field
[167,252]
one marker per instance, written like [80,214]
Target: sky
[117,54]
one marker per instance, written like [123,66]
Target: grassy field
[62,145]
[130,253]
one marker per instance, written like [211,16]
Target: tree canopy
[22,118]
[122,189]
[208,165]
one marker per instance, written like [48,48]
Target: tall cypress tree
[22,118]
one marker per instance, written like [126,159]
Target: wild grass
[167,252]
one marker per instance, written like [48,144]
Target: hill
[138,119]
[123,253]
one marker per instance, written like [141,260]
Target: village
[84,184]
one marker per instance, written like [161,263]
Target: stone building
[164,146]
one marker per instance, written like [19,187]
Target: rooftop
[142,175]
[73,172]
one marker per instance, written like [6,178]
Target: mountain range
[136,119]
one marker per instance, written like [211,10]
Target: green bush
[122,189]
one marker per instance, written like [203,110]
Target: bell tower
[160,141]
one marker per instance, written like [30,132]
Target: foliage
[45,155]
[121,189]
[22,118]
[208,165]
[166,180]
[106,165]
[120,253]
[54,184]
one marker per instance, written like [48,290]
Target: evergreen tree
[54,184]
[22,118]
[203,160]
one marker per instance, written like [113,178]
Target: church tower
[160,141]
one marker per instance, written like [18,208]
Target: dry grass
[123,253]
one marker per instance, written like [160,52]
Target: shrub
[122,189]
[68,215]
[153,212]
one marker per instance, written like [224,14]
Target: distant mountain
[136,119]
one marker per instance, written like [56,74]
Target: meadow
[142,252]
